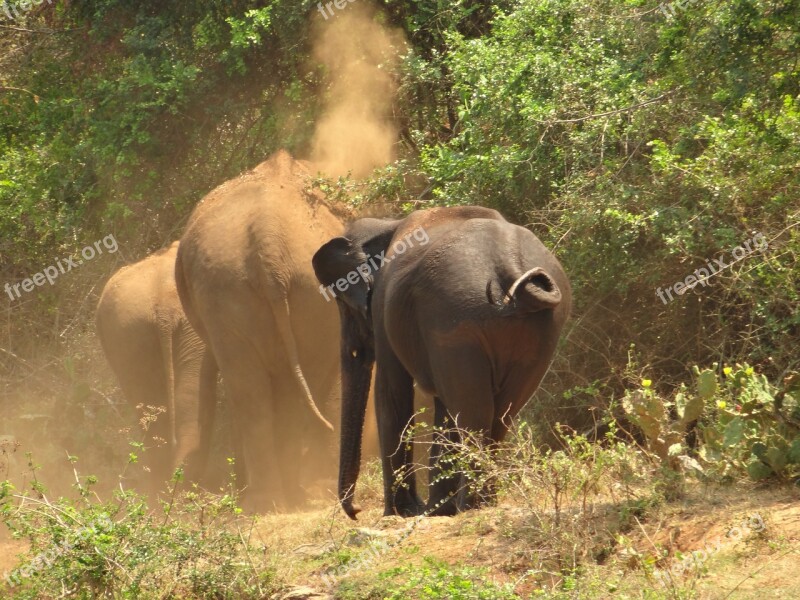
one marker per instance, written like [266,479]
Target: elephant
[160,361]
[245,280]
[458,301]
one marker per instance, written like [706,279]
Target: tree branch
[5,88]
[610,112]
[44,31]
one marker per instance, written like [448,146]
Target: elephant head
[347,266]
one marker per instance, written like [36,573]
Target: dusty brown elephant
[160,361]
[245,279]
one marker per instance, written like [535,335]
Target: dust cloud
[355,132]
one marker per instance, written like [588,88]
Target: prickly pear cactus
[646,411]
[688,409]
[706,383]
[651,414]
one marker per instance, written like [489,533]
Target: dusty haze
[355,131]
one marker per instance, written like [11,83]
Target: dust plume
[355,132]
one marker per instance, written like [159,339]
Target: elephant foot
[406,504]
[461,502]
[404,511]
[443,509]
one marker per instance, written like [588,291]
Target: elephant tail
[165,332]
[289,343]
[533,291]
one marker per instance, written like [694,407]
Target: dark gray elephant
[160,361]
[458,300]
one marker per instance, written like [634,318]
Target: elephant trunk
[533,291]
[357,361]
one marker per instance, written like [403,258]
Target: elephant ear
[341,266]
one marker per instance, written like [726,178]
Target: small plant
[437,580]
[195,545]
[560,496]
[754,427]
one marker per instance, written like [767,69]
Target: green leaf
[777,459]
[759,450]
[689,410]
[647,411]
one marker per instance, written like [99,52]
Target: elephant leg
[293,438]
[195,405]
[441,486]
[252,403]
[487,493]
[208,409]
[189,412]
[466,397]
[394,405]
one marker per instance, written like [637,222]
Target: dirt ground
[748,539]
[760,559]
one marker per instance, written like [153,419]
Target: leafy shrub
[561,494]
[753,427]
[436,580]
[196,545]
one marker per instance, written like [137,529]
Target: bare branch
[610,112]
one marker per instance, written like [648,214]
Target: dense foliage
[640,143]
[642,147]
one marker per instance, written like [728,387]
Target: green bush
[196,545]
[437,580]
